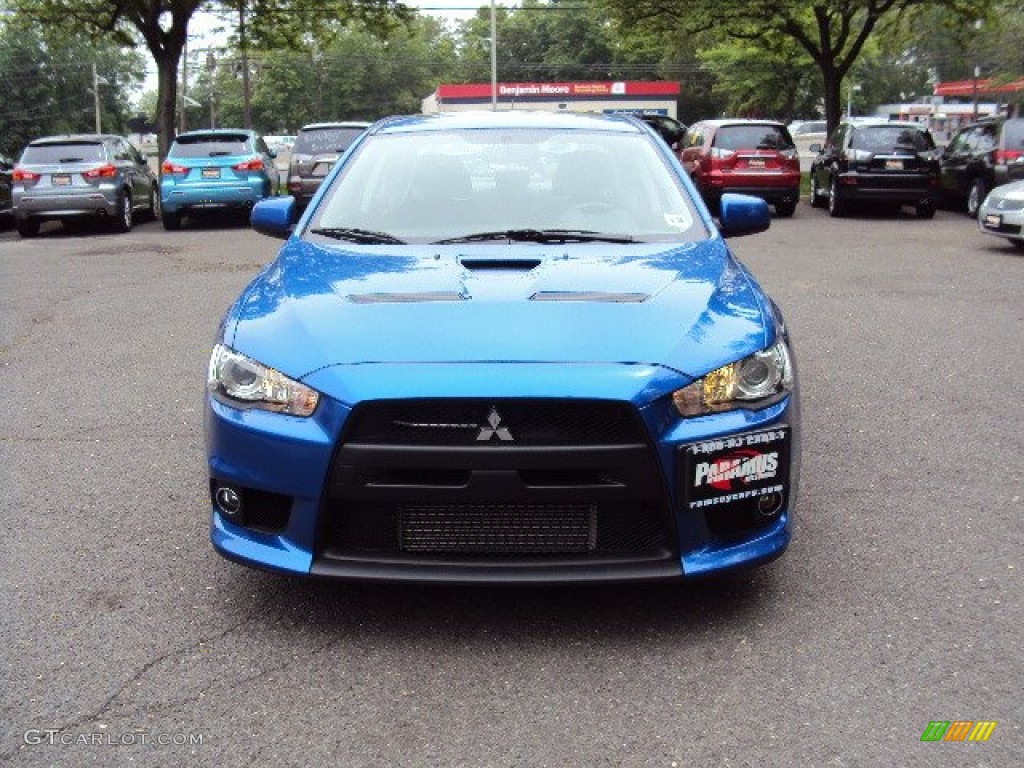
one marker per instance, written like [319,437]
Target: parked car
[808,132]
[979,157]
[567,379]
[753,157]
[670,129]
[82,176]
[6,186]
[884,161]
[316,149]
[215,170]
[1001,213]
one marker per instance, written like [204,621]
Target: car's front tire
[816,198]
[123,216]
[836,206]
[153,208]
[975,197]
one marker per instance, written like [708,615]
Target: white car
[1002,213]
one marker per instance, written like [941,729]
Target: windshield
[431,186]
[317,141]
[885,138]
[67,152]
[212,145]
[735,137]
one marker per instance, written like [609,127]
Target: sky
[205,29]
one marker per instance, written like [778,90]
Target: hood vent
[612,298]
[405,298]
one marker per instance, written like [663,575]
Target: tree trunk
[167,99]
[832,84]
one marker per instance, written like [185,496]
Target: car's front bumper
[310,485]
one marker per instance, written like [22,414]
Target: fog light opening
[228,502]
[769,504]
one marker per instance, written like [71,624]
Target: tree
[162,25]
[832,32]
[48,83]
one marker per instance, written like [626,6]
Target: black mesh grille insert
[497,529]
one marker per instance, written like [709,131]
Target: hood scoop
[500,265]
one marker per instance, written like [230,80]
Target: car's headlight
[753,382]
[241,382]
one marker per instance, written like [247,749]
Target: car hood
[690,308]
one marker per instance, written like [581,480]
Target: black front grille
[468,422]
[574,480]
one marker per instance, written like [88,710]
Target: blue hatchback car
[220,169]
[504,347]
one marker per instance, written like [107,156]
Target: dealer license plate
[894,165]
[993,220]
[211,173]
[61,179]
[750,470]
[756,162]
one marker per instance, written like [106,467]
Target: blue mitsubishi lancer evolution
[504,347]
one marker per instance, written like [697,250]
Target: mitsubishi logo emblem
[495,428]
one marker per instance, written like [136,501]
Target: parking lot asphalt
[127,641]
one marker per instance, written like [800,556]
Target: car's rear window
[317,141]
[884,138]
[211,145]
[66,152]
[735,137]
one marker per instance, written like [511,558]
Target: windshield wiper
[363,236]
[540,236]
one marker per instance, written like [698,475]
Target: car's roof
[217,132]
[510,119]
[720,121]
[888,123]
[339,124]
[63,138]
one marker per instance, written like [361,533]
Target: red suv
[752,157]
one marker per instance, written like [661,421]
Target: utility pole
[494,60]
[211,68]
[96,95]
[243,47]
[184,86]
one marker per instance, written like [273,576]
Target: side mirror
[275,217]
[742,215]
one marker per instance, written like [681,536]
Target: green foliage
[48,83]
[358,76]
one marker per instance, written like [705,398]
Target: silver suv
[317,147]
[80,176]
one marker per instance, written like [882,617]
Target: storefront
[652,97]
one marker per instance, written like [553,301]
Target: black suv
[979,157]
[892,162]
